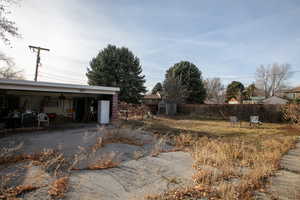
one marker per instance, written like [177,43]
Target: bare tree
[215,90]
[272,78]
[7,68]
[173,90]
[10,72]
[7,26]
[7,60]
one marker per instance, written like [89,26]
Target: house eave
[55,87]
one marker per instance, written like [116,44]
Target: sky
[228,39]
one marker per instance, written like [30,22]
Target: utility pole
[38,59]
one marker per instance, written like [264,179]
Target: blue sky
[226,39]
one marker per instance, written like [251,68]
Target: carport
[69,102]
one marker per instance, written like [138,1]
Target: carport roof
[55,87]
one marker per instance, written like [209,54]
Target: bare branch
[271,79]
[7,27]
[173,89]
[7,60]
[215,90]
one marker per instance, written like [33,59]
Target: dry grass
[232,169]
[123,140]
[210,128]
[58,188]
[124,136]
[158,147]
[99,144]
[49,159]
[12,193]
[230,163]
[4,152]
[108,160]
[138,154]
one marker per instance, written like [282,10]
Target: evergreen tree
[118,67]
[191,79]
[157,88]
[235,90]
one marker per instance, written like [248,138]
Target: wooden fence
[266,113]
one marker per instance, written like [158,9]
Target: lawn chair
[43,117]
[234,120]
[254,120]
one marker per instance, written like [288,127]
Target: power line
[38,58]
[61,79]
[64,70]
[61,76]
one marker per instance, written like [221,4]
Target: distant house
[233,101]
[152,98]
[254,100]
[293,93]
[275,100]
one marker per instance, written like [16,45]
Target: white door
[103,112]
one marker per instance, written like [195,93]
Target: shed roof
[55,87]
[275,100]
[152,96]
[294,90]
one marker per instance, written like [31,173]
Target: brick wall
[115,107]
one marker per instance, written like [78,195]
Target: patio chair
[43,117]
[234,120]
[254,120]
[28,119]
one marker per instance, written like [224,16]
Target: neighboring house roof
[55,87]
[275,100]
[233,101]
[152,96]
[294,90]
[254,100]
[210,101]
[257,98]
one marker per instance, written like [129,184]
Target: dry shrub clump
[49,159]
[52,161]
[177,143]
[232,168]
[58,188]
[291,113]
[125,136]
[184,140]
[184,193]
[109,160]
[5,151]
[98,144]
[13,192]
[138,154]
[158,147]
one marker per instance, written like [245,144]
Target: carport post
[114,107]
